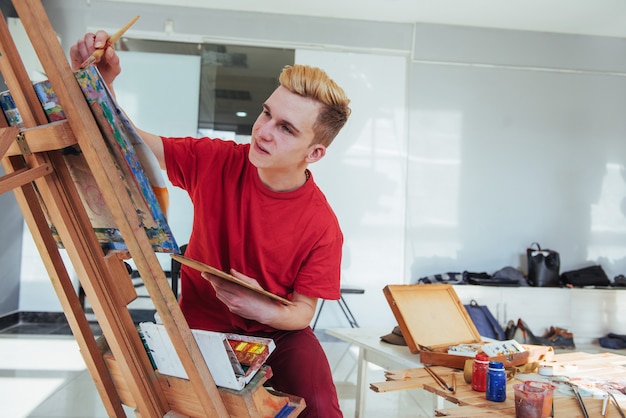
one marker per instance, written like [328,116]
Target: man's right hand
[109,64]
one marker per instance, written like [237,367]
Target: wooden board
[215,272]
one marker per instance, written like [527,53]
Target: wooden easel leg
[64,288]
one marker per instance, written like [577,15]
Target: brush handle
[97,54]
[117,35]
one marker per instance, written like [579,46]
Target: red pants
[300,368]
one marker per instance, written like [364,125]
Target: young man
[259,215]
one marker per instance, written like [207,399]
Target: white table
[373,350]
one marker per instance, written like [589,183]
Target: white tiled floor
[45,376]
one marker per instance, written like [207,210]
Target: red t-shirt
[287,241]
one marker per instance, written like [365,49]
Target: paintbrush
[97,54]
[619,408]
[576,391]
[439,379]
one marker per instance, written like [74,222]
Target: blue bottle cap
[496,365]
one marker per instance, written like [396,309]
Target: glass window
[235,80]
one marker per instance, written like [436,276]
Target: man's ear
[316,152]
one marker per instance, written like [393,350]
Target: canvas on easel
[142,184]
[120,136]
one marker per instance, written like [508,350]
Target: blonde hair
[314,83]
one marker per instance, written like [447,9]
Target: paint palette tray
[432,319]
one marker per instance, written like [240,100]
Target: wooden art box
[432,318]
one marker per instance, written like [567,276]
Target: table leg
[361,378]
[437,402]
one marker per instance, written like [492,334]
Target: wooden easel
[34,167]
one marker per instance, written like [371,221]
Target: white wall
[364,177]
[515,137]
[520,156]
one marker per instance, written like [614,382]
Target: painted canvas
[133,161]
[145,194]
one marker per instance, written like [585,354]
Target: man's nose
[265,131]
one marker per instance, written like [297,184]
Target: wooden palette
[201,267]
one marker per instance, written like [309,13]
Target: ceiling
[587,17]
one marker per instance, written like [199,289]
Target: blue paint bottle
[496,382]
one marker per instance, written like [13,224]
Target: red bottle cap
[482,357]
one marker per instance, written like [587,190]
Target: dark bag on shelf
[543,266]
[507,276]
[485,322]
[587,276]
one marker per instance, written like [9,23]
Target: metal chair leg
[347,312]
[318,314]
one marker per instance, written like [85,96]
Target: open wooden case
[432,318]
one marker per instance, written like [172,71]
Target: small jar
[496,382]
[479,372]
